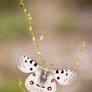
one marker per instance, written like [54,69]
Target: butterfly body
[42,79]
[44,75]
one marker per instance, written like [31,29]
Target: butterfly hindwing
[50,85]
[34,84]
[64,77]
[27,65]
[32,81]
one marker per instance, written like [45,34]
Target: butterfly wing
[33,83]
[64,77]
[27,65]
[50,85]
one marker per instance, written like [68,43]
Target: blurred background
[64,25]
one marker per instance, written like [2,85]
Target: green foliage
[8,2]
[12,27]
[10,86]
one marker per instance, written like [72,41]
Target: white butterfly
[42,79]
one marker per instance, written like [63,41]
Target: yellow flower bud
[30,18]
[29,15]
[21,4]
[41,38]
[33,38]
[83,44]
[30,28]
[39,53]
[25,10]
[78,57]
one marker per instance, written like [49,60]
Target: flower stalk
[29,19]
[82,49]
[20,85]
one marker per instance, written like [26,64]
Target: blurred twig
[29,18]
[20,85]
[82,48]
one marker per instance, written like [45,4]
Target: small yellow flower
[30,28]
[84,44]
[21,0]
[33,38]
[21,3]
[41,38]
[29,15]
[39,53]
[78,57]
[30,18]
[25,10]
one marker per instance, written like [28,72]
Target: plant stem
[29,18]
[82,49]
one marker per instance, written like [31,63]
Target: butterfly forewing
[32,81]
[64,77]
[27,65]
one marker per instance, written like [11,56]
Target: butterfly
[42,79]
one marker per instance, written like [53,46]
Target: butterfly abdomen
[43,76]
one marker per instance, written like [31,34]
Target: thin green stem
[20,85]
[82,49]
[29,18]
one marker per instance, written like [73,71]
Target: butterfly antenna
[82,49]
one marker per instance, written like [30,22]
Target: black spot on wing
[35,64]
[27,57]
[57,71]
[31,61]
[31,69]
[25,61]
[43,87]
[66,74]
[58,77]
[40,86]
[62,71]
[37,85]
